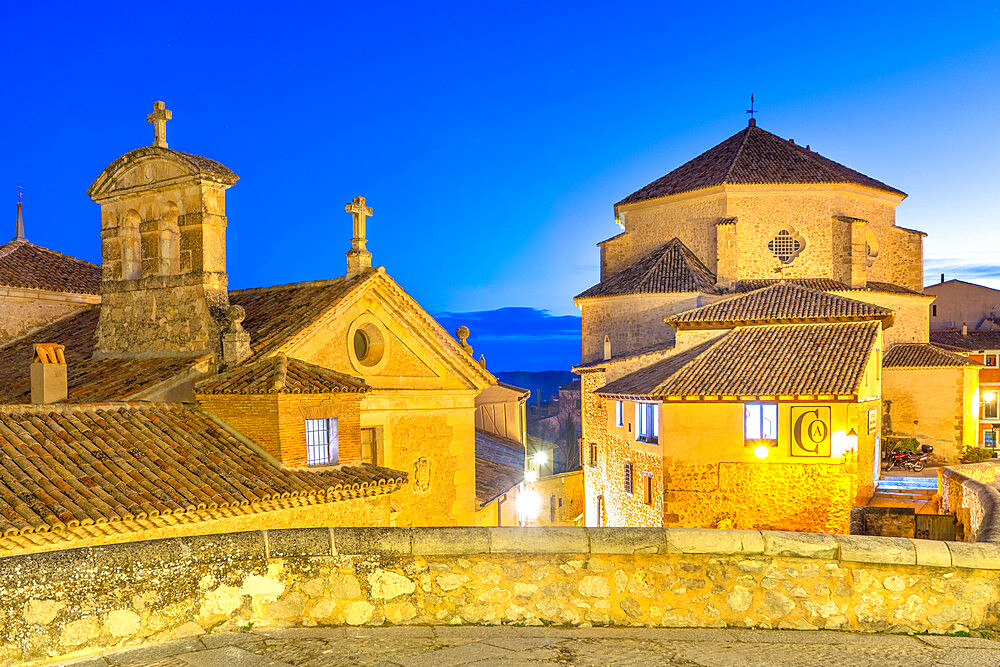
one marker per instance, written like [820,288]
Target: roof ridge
[736,156]
[305,283]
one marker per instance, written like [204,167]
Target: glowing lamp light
[761,451]
[540,458]
[530,476]
[529,504]
[988,396]
[852,440]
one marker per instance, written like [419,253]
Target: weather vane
[20,191]
[751,110]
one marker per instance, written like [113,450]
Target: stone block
[627,541]
[799,545]
[46,568]
[865,549]
[450,541]
[247,548]
[932,553]
[977,555]
[299,542]
[542,540]
[364,541]
[712,541]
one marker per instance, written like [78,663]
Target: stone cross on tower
[358,258]
[161,114]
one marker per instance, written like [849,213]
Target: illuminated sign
[811,431]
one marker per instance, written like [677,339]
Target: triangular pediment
[153,167]
[414,351]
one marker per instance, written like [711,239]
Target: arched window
[131,246]
[169,242]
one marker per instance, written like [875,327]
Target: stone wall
[970,493]
[24,310]
[76,601]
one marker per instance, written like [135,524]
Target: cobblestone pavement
[448,645]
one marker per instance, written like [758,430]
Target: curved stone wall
[70,602]
[970,493]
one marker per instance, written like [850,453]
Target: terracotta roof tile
[824,284]
[973,341]
[783,302]
[753,156]
[280,375]
[88,379]
[775,360]
[499,465]
[24,264]
[276,314]
[923,355]
[65,466]
[670,268]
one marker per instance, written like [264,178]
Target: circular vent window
[366,342]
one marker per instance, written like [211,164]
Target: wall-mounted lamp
[761,451]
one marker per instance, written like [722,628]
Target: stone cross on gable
[359,259]
[358,209]
[161,114]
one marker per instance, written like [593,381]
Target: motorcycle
[909,460]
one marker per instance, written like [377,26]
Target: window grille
[322,445]
[785,246]
[628,477]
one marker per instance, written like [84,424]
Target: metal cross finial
[358,209]
[161,114]
[752,111]
[20,192]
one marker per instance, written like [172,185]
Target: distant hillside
[541,383]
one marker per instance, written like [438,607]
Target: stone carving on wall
[422,474]
[786,245]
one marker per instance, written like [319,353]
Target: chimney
[607,348]
[48,374]
[965,329]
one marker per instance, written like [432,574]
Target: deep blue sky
[491,138]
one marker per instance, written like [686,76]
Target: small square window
[628,476]
[990,360]
[647,422]
[760,421]
[322,443]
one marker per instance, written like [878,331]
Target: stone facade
[163,239]
[76,601]
[933,405]
[24,310]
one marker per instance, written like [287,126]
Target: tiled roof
[753,156]
[923,355]
[274,315]
[499,465]
[824,284]
[208,165]
[68,466]
[280,375]
[973,341]
[88,379]
[646,381]
[670,268]
[774,360]
[24,264]
[783,302]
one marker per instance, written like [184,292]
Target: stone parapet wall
[970,493]
[71,602]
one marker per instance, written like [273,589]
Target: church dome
[754,156]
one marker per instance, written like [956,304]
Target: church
[759,328]
[143,398]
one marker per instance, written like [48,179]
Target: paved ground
[442,646]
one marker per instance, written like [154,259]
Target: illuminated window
[760,421]
[990,438]
[990,410]
[322,446]
[990,360]
[647,422]
[619,413]
[628,476]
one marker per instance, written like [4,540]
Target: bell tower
[163,242]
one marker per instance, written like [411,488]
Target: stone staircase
[907,491]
